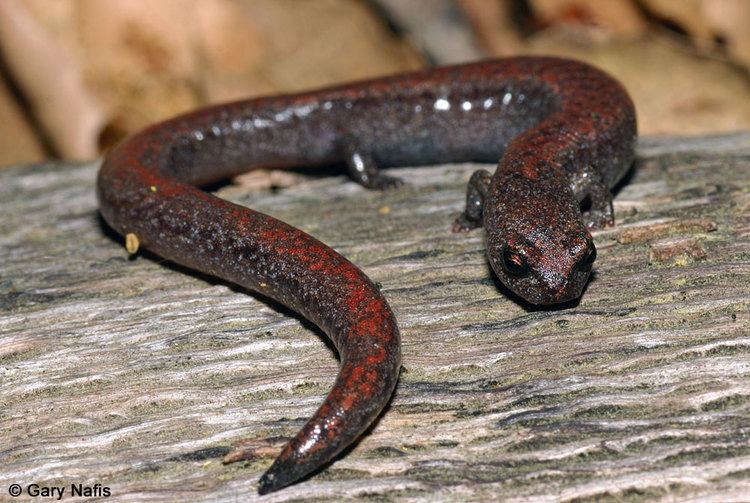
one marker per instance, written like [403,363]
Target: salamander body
[562,133]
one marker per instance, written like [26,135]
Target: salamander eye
[587,261]
[514,263]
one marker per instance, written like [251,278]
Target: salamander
[561,132]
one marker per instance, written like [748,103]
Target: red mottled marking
[529,171]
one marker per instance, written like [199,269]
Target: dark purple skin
[564,133]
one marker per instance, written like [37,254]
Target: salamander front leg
[595,201]
[476,192]
[363,169]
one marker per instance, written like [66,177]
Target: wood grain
[137,375]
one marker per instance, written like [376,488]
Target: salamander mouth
[535,290]
[541,297]
[571,293]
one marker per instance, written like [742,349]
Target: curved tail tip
[276,478]
[268,484]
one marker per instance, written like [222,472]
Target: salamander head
[542,252]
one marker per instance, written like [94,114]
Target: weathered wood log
[141,376]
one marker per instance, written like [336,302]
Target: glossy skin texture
[564,134]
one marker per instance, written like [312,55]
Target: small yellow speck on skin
[131,243]
[263,285]
[384,210]
[682,261]
[153,188]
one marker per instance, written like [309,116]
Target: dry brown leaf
[614,17]
[109,68]
[50,78]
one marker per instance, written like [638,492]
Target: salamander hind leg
[364,170]
[595,201]
[476,192]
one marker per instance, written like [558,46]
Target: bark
[141,376]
